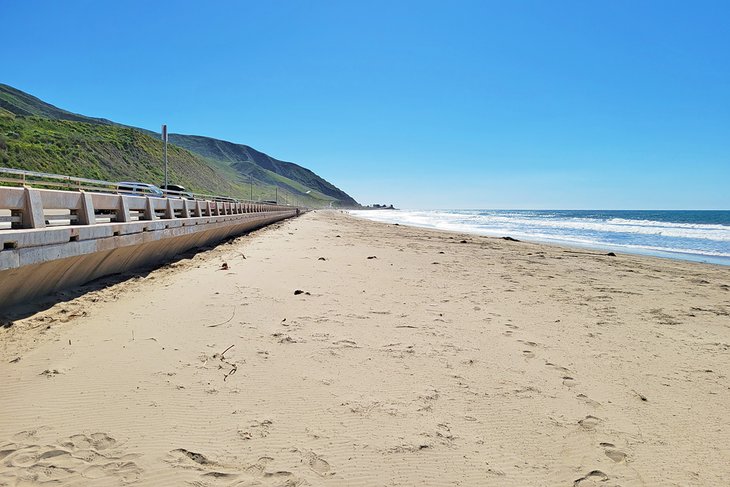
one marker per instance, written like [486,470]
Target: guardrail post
[85,213]
[198,209]
[169,210]
[123,210]
[185,211]
[33,216]
[149,210]
[208,209]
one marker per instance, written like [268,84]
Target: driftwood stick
[224,322]
[224,351]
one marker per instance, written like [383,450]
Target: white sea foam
[642,236]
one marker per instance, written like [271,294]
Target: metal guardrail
[84,202]
[23,177]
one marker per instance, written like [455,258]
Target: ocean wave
[642,236]
[719,233]
[653,223]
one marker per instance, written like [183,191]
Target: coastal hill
[36,135]
[246,160]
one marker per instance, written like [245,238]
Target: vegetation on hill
[246,160]
[116,153]
[21,103]
[35,135]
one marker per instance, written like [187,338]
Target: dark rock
[510,239]
[611,254]
[298,291]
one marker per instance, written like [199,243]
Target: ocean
[697,235]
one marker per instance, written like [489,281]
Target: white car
[139,189]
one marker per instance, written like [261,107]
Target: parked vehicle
[173,190]
[224,199]
[139,189]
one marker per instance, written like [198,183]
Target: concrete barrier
[107,234]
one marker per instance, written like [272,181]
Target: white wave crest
[645,236]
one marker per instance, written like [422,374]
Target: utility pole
[164,140]
[277,195]
[250,182]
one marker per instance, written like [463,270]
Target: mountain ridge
[240,164]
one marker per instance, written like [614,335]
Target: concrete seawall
[41,260]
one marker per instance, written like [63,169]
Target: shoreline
[407,358]
[683,255]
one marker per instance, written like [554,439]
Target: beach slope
[329,350]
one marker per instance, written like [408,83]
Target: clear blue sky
[425,104]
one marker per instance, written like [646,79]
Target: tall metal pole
[277,195]
[250,181]
[164,139]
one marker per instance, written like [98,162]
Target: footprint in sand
[590,422]
[588,400]
[29,435]
[557,367]
[318,465]
[212,469]
[592,478]
[68,461]
[257,429]
[528,354]
[611,452]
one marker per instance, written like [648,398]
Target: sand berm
[410,357]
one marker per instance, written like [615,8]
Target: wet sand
[410,357]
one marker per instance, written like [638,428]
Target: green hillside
[246,160]
[36,135]
[21,103]
[116,153]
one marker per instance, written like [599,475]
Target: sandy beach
[330,350]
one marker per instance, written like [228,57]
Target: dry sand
[435,362]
